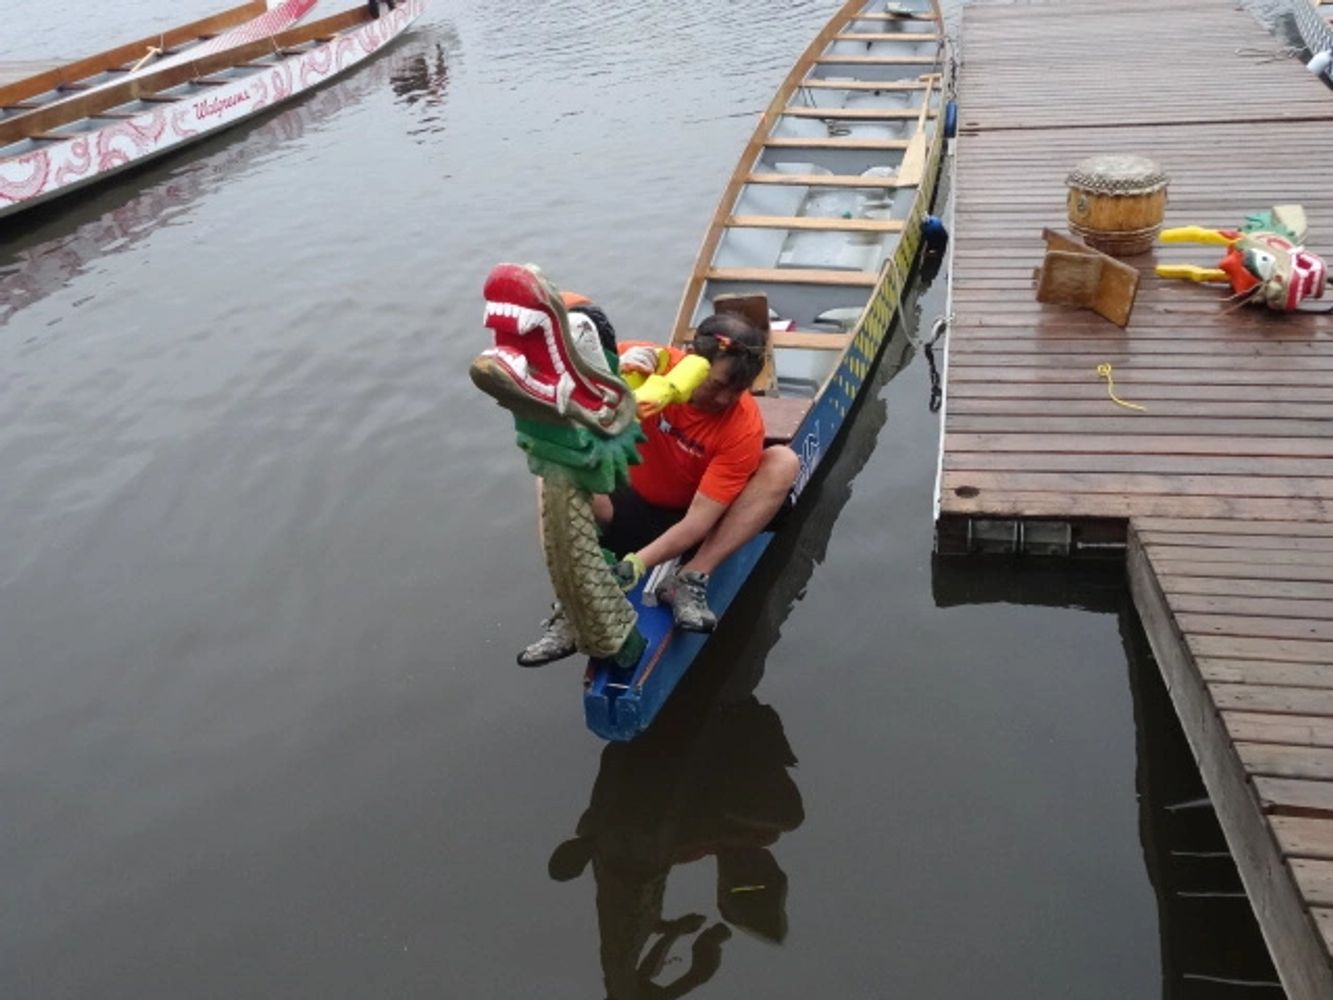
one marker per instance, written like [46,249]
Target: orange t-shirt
[690,451]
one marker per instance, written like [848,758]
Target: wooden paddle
[913,168]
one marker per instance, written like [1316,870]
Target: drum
[1116,203]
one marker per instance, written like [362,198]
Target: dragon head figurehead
[549,367]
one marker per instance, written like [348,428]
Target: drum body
[1116,203]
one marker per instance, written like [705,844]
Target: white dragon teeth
[525,320]
[564,389]
[517,362]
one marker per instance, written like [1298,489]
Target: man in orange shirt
[706,485]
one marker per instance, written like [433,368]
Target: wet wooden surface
[1240,617]
[1237,404]
[1223,482]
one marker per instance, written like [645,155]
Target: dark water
[268,555]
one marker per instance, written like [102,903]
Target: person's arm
[704,512]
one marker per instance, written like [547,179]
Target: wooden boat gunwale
[152,84]
[619,704]
[115,59]
[266,73]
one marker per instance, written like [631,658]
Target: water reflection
[46,249]
[712,780]
[423,76]
[723,793]
[1211,945]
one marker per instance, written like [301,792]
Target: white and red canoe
[66,126]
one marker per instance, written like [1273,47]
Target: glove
[676,386]
[638,364]
[628,571]
[641,359]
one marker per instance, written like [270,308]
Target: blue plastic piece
[620,704]
[934,243]
[951,119]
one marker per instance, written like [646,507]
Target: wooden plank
[1242,557]
[1274,701]
[1300,955]
[867,145]
[1324,922]
[898,18]
[1265,673]
[870,37]
[782,416]
[859,60]
[1297,730]
[1230,528]
[1028,503]
[823,180]
[855,114]
[1252,626]
[1277,761]
[872,85]
[1245,571]
[1182,586]
[1273,542]
[1315,879]
[81,69]
[1174,463]
[801,340]
[1284,650]
[793,276]
[817,223]
[1275,487]
[1055,441]
[1304,837]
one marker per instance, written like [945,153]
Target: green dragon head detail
[549,369]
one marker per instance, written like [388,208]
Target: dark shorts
[635,522]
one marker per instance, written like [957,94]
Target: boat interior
[826,193]
[65,101]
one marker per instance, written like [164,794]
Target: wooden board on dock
[1239,616]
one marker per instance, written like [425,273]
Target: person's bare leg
[763,495]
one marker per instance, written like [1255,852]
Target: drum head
[1118,173]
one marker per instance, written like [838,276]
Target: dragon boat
[67,125]
[1314,22]
[816,233]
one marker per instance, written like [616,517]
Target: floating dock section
[1219,490]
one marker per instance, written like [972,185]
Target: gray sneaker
[556,642]
[688,596]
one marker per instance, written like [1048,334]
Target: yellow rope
[1104,370]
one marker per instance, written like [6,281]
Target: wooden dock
[1221,488]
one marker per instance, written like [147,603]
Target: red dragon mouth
[535,356]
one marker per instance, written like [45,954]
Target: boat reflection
[422,76]
[45,249]
[711,782]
